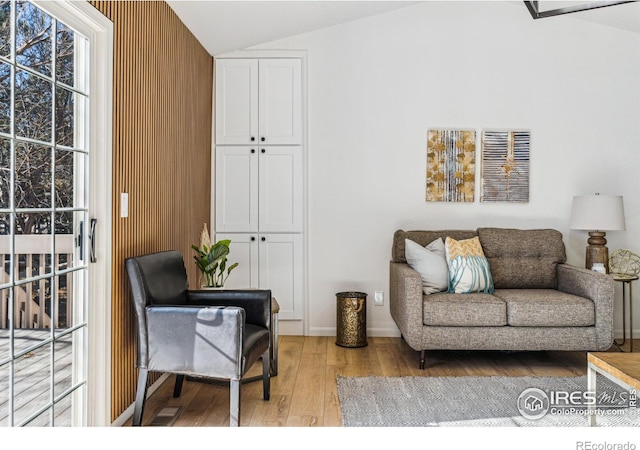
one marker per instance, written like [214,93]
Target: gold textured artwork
[451,165]
[505,166]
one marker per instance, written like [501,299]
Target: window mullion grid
[35,278]
[12,220]
[33,141]
[12,211]
[44,210]
[52,308]
[34,72]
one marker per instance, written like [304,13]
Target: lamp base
[597,252]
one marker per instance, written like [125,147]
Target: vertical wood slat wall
[162,121]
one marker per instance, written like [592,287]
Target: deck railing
[34,289]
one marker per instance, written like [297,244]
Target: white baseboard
[371,332]
[290,328]
[383,332]
[617,332]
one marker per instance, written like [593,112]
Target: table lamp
[597,214]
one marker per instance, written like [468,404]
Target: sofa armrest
[597,287]
[405,302]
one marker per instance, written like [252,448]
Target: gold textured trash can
[351,319]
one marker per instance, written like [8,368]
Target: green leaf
[212,262]
[231,267]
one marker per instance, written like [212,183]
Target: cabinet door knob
[252,139]
[263,239]
[263,151]
[253,150]
[263,138]
[253,238]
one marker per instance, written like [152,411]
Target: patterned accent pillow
[469,269]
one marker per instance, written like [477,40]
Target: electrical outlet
[378,300]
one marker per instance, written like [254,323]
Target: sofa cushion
[523,259]
[430,263]
[463,310]
[546,308]
[468,268]
[423,238]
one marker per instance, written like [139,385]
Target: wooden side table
[626,281]
[275,309]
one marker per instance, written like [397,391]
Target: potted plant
[211,260]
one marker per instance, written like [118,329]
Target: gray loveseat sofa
[539,301]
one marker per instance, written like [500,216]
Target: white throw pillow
[430,262]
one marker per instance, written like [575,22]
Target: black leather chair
[216,334]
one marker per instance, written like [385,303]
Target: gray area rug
[482,402]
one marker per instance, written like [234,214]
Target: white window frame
[83,17]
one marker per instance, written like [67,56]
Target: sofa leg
[423,354]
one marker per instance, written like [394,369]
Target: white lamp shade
[597,213]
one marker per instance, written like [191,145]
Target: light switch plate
[124,204]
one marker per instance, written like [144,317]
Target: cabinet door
[280,192]
[236,101]
[243,250]
[280,101]
[236,194]
[280,270]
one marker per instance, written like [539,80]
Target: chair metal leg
[177,389]
[141,395]
[266,375]
[234,403]
[422,358]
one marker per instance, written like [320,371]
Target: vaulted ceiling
[225,26]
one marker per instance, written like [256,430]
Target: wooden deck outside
[32,378]
[30,290]
[32,259]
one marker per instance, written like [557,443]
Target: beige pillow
[430,263]
[469,269]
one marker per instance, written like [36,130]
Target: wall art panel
[505,166]
[451,159]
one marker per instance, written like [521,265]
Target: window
[45,157]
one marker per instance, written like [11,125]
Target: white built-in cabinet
[259,189]
[258,101]
[259,175]
[270,261]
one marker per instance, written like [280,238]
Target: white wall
[378,84]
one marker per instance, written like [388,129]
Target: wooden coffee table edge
[603,361]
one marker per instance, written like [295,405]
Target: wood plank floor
[304,393]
